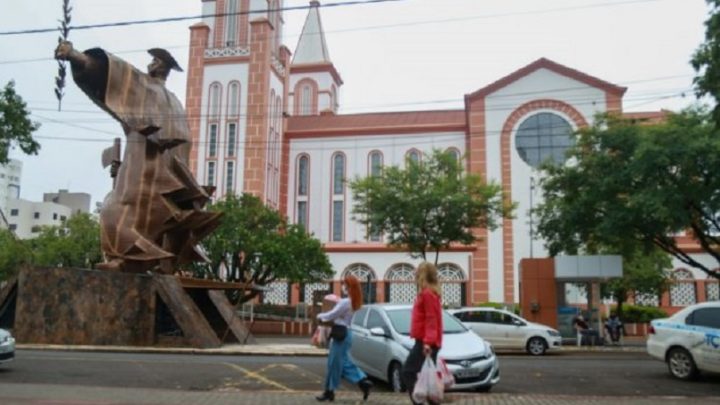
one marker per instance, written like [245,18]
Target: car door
[479,322]
[517,334]
[705,346]
[359,333]
[376,350]
[503,328]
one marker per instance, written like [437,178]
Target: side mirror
[378,331]
[518,322]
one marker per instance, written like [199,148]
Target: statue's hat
[165,56]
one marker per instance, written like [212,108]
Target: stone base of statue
[67,306]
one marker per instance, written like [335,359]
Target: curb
[277,350]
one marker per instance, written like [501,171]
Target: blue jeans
[340,366]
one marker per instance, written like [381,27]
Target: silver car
[7,346]
[381,343]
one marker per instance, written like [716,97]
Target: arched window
[454,153]
[271,112]
[214,101]
[231,18]
[306,100]
[367,279]
[400,287]
[413,155]
[543,137]
[305,97]
[682,292]
[338,197]
[229,177]
[211,173]
[452,281]
[234,100]
[375,160]
[338,173]
[301,197]
[278,113]
[212,139]
[303,166]
[333,98]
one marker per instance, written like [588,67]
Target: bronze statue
[153,218]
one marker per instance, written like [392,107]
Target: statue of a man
[154,217]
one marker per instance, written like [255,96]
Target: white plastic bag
[448,379]
[429,385]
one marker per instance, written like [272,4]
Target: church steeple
[312,47]
[314,81]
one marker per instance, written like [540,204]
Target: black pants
[413,365]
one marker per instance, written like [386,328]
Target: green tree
[632,183]
[13,255]
[15,126]
[75,243]
[429,205]
[255,244]
[644,272]
[706,60]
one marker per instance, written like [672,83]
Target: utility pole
[532,191]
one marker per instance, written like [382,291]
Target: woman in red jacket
[426,325]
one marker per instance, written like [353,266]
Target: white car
[688,341]
[505,330]
[7,346]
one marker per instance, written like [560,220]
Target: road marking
[258,377]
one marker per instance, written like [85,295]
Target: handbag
[338,332]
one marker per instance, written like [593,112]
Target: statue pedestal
[68,306]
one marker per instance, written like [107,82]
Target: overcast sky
[406,55]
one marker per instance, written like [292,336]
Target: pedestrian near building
[426,325]
[339,364]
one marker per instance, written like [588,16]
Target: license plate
[467,373]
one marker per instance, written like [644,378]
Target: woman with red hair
[339,364]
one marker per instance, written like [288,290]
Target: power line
[195,17]
[372,27]
[397,140]
[578,100]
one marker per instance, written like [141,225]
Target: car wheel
[394,377]
[536,346]
[681,364]
[484,388]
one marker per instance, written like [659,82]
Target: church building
[266,121]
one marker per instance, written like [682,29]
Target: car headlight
[553,333]
[491,349]
[4,339]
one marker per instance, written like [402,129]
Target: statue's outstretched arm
[78,60]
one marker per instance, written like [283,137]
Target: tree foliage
[15,127]
[706,60]
[13,254]
[636,183]
[644,272]
[255,244]
[429,205]
[75,243]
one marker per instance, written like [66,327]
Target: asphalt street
[601,374]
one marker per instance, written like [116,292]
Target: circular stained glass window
[543,137]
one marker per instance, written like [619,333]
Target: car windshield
[400,319]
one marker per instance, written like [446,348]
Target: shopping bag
[448,379]
[319,338]
[429,386]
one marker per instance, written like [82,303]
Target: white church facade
[266,121]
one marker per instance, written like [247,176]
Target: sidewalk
[37,394]
[294,346]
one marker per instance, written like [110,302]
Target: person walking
[339,364]
[426,325]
